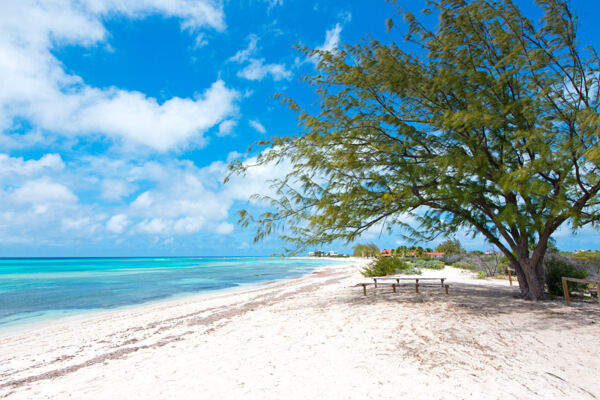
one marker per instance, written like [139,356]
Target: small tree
[491,127]
[368,250]
[490,263]
[419,252]
[450,247]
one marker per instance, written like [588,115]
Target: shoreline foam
[38,318]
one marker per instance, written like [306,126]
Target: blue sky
[118,118]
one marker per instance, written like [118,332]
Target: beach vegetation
[556,269]
[463,265]
[366,250]
[389,266]
[589,257]
[450,247]
[429,264]
[486,124]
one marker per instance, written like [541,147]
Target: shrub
[430,264]
[556,269]
[591,258]
[388,266]
[463,265]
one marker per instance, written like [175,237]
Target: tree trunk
[531,278]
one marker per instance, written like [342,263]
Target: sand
[316,337]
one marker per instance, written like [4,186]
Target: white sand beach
[317,337]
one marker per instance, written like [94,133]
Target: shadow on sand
[483,300]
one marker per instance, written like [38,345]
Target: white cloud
[256,180]
[258,70]
[194,14]
[178,198]
[224,228]
[35,86]
[143,201]
[154,226]
[245,54]
[226,127]
[188,224]
[258,126]
[200,41]
[76,223]
[14,169]
[234,155]
[332,38]
[117,223]
[43,191]
[115,190]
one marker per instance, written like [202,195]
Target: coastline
[316,336]
[65,316]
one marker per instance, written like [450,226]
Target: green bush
[388,266]
[463,265]
[556,270]
[430,264]
[591,258]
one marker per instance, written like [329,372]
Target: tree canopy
[450,247]
[490,126]
[367,250]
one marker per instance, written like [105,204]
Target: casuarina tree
[487,123]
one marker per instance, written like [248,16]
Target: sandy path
[317,337]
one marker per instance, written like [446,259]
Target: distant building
[332,253]
[488,252]
[311,253]
[386,253]
[434,254]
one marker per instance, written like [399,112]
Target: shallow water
[46,288]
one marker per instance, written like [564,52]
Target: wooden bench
[365,284]
[407,279]
[397,283]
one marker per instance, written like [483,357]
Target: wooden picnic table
[397,283]
[398,279]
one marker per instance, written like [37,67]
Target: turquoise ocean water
[44,288]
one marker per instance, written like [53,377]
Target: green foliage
[450,247]
[590,257]
[368,250]
[489,126]
[429,264]
[388,266]
[463,265]
[556,270]
[481,275]
[406,251]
